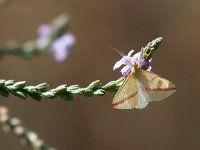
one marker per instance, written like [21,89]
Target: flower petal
[61,55]
[68,39]
[149,68]
[140,62]
[44,30]
[136,56]
[131,52]
[125,70]
[126,60]
[62,45]
[117,64]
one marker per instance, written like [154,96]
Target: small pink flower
[129,60]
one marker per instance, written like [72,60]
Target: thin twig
[26,136]
[30,48]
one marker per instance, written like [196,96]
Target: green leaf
[94,84]
[67,97]
[72,88]
[61,89]
[4,92]
[99,92]
[20,94]
[31,89]
[2,82]
[9,82]
[13,122]
[42,87]
[49,94]
[148,51]
[35,96]
[19,85]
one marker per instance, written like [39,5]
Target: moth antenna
[121,54]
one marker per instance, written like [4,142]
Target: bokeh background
[91,123]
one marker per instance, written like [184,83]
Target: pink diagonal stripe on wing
[161,89]
[125,99]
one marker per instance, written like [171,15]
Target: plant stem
[27,136]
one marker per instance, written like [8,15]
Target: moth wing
[142,97]
[157,87]
[131,94]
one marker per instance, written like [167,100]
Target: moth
[141,87]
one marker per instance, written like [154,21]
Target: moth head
[134,66]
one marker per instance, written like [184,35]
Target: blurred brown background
[91,123]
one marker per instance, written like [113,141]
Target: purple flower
[44,31]
[129,60]
[60,47]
